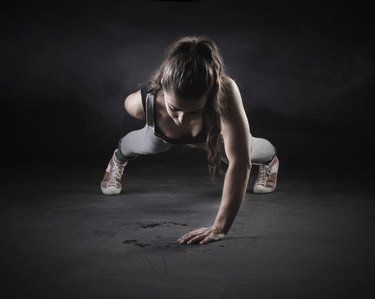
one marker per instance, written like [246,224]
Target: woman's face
[184,112]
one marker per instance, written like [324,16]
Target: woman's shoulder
[229,82]
[231,90]
[134,105]
[232,100]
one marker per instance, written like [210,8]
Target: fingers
[201,236]
[187,237]
[206,240]
[212,238]
[196,239]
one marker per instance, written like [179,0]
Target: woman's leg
[133,144]
[141,142]
[263,153]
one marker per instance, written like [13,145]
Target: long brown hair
[193,67]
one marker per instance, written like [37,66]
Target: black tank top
[188,139]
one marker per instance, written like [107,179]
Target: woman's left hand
[202,235]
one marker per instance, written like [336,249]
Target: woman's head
[184,111]
[191,77]
[192,68]
[188,70]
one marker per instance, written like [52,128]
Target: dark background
[305,70]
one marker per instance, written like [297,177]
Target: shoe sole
[110,191]
[263,191]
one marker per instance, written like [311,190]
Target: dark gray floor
[313,238]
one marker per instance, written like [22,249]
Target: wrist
[220,229]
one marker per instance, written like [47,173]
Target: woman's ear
[161,81]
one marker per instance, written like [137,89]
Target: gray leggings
[144,142]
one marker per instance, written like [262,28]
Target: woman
[191,100]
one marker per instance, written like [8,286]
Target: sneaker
[111,183]
[267,177]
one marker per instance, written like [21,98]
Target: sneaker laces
[116,172]
[264,172]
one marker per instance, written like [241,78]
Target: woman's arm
[237,143]
[133,105]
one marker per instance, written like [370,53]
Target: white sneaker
[267,177]
[111,183]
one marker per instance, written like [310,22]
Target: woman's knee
[262,150]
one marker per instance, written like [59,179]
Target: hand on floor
[202,235]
